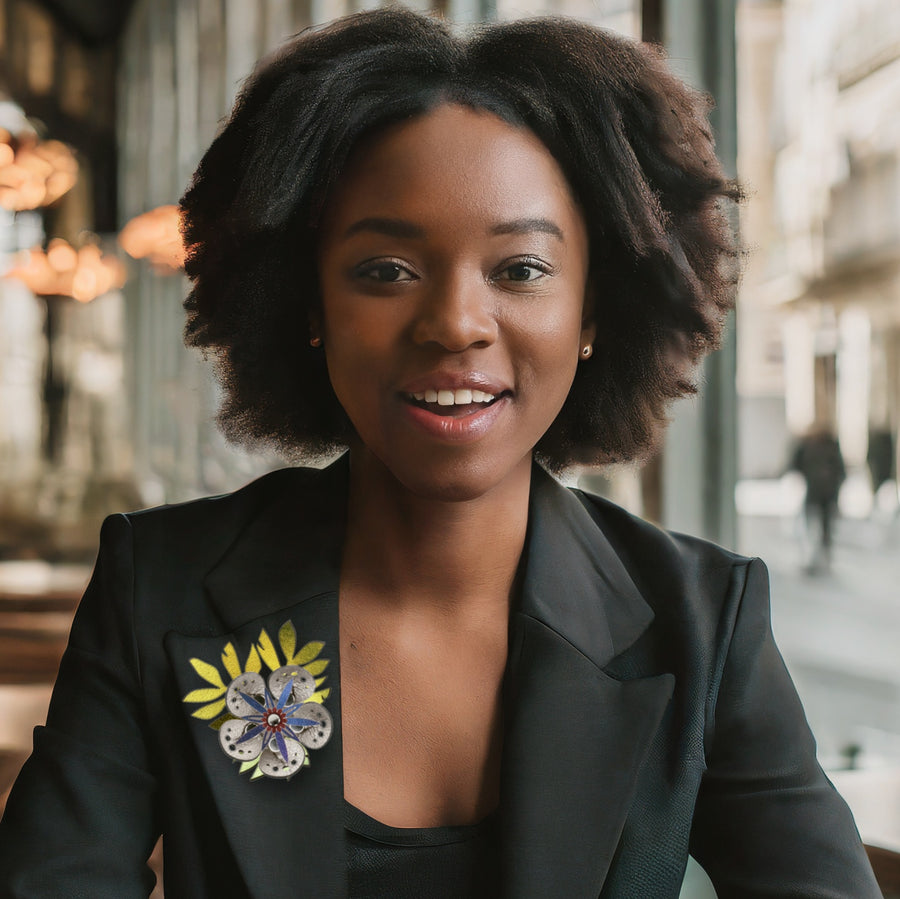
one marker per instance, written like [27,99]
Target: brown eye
[384,272]
[522,272]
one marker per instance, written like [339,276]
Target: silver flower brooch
[269,725]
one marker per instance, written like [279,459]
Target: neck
[433,554]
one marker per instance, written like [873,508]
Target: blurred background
[789,452]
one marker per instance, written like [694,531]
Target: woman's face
[453,265]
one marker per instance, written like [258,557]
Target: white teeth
[463,397]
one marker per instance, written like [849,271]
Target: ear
[588,319]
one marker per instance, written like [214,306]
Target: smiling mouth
[454,403]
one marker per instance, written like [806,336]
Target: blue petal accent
[282,748]
[252,702]
[285,693]
[251,734]
[302,722]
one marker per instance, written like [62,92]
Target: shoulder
[243,501]
[204,528]
[682,577]
[639,541]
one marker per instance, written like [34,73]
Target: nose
[457,313]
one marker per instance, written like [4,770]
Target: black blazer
[648,714]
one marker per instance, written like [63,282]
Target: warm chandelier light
[155,236]
[33,173]
[82,274]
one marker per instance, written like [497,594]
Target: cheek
[554,342]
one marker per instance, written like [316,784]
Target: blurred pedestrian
[880,457]
[819,459]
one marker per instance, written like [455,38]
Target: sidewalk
[838,631]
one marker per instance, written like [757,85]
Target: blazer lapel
[283,567]
[576,738]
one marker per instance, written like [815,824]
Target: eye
[524,270]
[384,271]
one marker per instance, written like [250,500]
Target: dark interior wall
[58,61]
[94,22]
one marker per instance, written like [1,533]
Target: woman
[441,673]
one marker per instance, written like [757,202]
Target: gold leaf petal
[255,774]
[230,661]
[267,650]
[207,694]
[320,697]
[316,667]
[308,653]
[320,681]
[252,763]
[207,712]
[208,672]
[287,639]
[253,661]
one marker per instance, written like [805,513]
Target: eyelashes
[384,271]
[523,270]
[530,268]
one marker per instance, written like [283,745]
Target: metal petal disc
[271,765]
[251,683]
[304,682]
[314,737]
[229,734]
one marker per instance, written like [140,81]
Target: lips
[455,406]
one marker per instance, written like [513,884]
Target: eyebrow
[388,227]
[528,226]
[405,230]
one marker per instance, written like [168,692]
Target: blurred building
[819,138]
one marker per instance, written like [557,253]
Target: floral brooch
[267,724]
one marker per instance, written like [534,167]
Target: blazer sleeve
[80,820]
[768,822]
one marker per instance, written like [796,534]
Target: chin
[459,482]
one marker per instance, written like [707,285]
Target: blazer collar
[574,581]
[575,737]
[290,551]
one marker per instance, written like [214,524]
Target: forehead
[454,164]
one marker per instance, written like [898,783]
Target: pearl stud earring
[587,352]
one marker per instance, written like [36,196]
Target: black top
[411,862]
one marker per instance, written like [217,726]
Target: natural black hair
[632,139]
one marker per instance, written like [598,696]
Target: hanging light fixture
[83,274]
[155,236]
[33,172]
